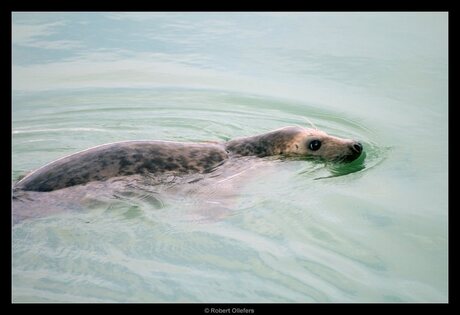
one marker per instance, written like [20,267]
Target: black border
[192,308]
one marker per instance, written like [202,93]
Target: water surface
[286,231]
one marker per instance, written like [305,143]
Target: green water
[289,230]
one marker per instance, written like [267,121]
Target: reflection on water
[261,230]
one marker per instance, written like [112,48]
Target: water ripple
[264,225]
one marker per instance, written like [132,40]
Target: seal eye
[314,145]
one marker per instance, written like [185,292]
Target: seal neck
[271,143]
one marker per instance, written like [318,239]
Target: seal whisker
[310,122]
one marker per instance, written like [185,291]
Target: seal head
[297,141]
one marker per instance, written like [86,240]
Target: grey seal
[158,157]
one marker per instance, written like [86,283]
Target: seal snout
[357,147]
[355,151]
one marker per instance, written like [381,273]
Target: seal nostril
[357,147]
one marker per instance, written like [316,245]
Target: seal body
[122,159]
[157,157]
